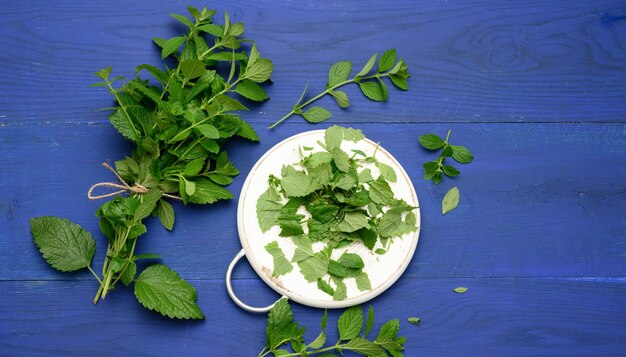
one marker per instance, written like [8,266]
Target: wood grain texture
[535,89]
[476,61]
[495,317]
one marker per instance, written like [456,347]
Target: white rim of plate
[274,283]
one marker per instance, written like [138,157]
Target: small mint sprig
[434,170]
[372,85]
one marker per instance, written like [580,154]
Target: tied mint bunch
[372,85]
[179,122]
[344,203]
[353,331]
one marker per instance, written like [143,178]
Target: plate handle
[231,293]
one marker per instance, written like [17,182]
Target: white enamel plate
[383,270]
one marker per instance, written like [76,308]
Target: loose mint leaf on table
[161,289]
[350,323]
[414,320]
[450,200]
[372,86]
[65,246]
[460,290]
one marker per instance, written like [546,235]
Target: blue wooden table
[536,89]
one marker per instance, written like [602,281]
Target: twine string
[121,188]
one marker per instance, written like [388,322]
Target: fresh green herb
[434,170]
[414,320]
[460,290]
[372,86]
[179,123]
[344,204]
[450,200]
[282,330]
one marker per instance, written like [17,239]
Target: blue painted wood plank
[539,200]
[495,317]
[483,61]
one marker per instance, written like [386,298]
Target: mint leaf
[370,321]
[124,125]
[364,347]
[353,221]
[297,184]
[341,98]
[314,268]
[389,330]
[386,171]
[282,266]
[321,338]
[161,289]
[251,91]
[316,115]
[166,214]
[368,66]
[350,323]
[460,290]
[450,171]
[65,246]
[431,141]
[450,200]
[351,260]
[461,154]
[372,90]
[170,46]
[387,60]
[414,320]
[280,326]
[129,273]
[380,192]
[325,287]
[268,209]
[192,68]
[341,159]
[363,282]
[259,71]
[339,72]
[208,192]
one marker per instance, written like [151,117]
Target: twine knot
[121,187]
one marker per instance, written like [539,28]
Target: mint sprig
[435,170]
[282,330]
[372,86]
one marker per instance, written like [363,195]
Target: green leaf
[156,73]
[280,325]
[431,141]
[321,338]
[368,66]
[370,321]
[259,71]
[208,131]
[313,268]
[282,265]
[339,72]
[193,167]
[341,160]
[192,68]
[166,214]
[251,90]
[161,289]
[380,192]
[341,291]
[460,290]
[351,260]
[353,221]
[124,125]
[450,171]
[389,330]
[364,347]
[372,90]
[387,60]
[268,210]
[350,323]
[65,246]
[212,29]
[290,224]
[334,135]
[170,46]
[128,275]
[414,320]
[318,158]
[148,204]
[399,82]
[447,151]
[325,287]
[461,154]
[341,98]
[386,171]
[450,200]
[316,115]
[430,169]
[208,192]
[184,19]
[391,225]
[298,184]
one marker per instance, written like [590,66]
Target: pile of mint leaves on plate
[331,198]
